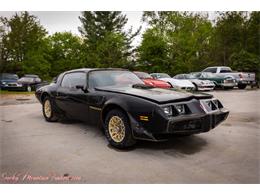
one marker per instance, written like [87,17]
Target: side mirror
[82,88]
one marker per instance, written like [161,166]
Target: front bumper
[12,87]
[206,87]
[197,122]
[201,119]
[246,82]
[228,84]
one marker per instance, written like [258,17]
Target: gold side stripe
[95,108]
[144,118]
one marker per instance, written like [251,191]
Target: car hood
[154,81]
[178,82]
[156,95]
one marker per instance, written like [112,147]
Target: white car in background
[175,83]
[200,85]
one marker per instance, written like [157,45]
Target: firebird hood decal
[157,95]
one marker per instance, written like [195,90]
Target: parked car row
[197,81]
[12,82]
[208,79]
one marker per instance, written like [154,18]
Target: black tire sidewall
[128,139]
[241,86]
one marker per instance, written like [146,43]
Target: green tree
[253,33]
[106,44]
[2,57]
[23,44]
[152,52]
[236,41]
[65,52]
[229,36]
[183,37]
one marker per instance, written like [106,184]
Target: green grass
[3,92]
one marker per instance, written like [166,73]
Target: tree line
[174,42]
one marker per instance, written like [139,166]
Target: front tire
[29,88]
[47,110]
[117,129]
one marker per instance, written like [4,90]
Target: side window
[225,70]
[154,76]
[212,70]
[71,80]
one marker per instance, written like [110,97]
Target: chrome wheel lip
[47,108]
[29,89]
[116,129]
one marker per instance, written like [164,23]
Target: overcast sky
[69,21]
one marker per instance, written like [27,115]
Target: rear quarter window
[212,70]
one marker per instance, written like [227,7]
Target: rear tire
[47,110]
[117,129]
[241,86]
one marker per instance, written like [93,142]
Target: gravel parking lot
[35,151]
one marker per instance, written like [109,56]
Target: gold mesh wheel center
[47,108]
[116,128]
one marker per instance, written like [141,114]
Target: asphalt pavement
[35,151]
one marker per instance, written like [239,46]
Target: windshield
[112,78]
[26,79]
[163,75]
[143,75]
[31,75]
[8,76]
[189,76]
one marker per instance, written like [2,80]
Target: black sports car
[126,108]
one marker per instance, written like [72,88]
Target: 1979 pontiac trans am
[127,109]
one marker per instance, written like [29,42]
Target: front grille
[189,125]
[211,105]
[12,85]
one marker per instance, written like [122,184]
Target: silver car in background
[200,85]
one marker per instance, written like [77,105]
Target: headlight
[180,108]
[167,110]
[3,83]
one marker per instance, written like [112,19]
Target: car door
[71,99]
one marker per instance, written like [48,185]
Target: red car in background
[148,80]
